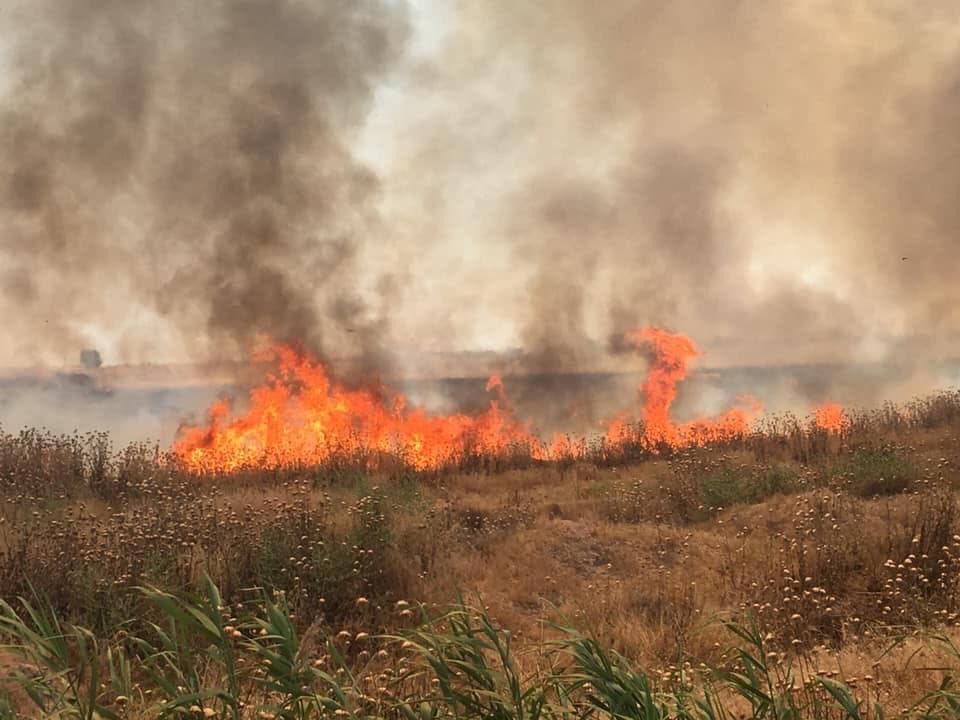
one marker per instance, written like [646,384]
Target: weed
[872,472]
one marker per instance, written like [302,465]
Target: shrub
[872,472]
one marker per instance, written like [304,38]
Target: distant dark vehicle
[90,359]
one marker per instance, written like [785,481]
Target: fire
[671,355]
[830,417]
[300,417]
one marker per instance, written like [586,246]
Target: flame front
[830,417]
[300,417]
[671,355]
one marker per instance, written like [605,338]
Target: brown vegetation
[837,545]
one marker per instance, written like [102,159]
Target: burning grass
[300,417]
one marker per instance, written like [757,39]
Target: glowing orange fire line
[830,417]
[299,417]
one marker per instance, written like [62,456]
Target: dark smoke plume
[187,164]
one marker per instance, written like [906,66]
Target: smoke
[356,174]
[748,173]
[74,403]
[186,166]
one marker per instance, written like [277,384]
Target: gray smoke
[748,173]
[188,164]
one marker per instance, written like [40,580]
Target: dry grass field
[790,573]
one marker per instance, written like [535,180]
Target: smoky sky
[178,175]
[749,173]
[483,174]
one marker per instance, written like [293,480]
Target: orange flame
[671,356]
[299,417]
[830,417]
